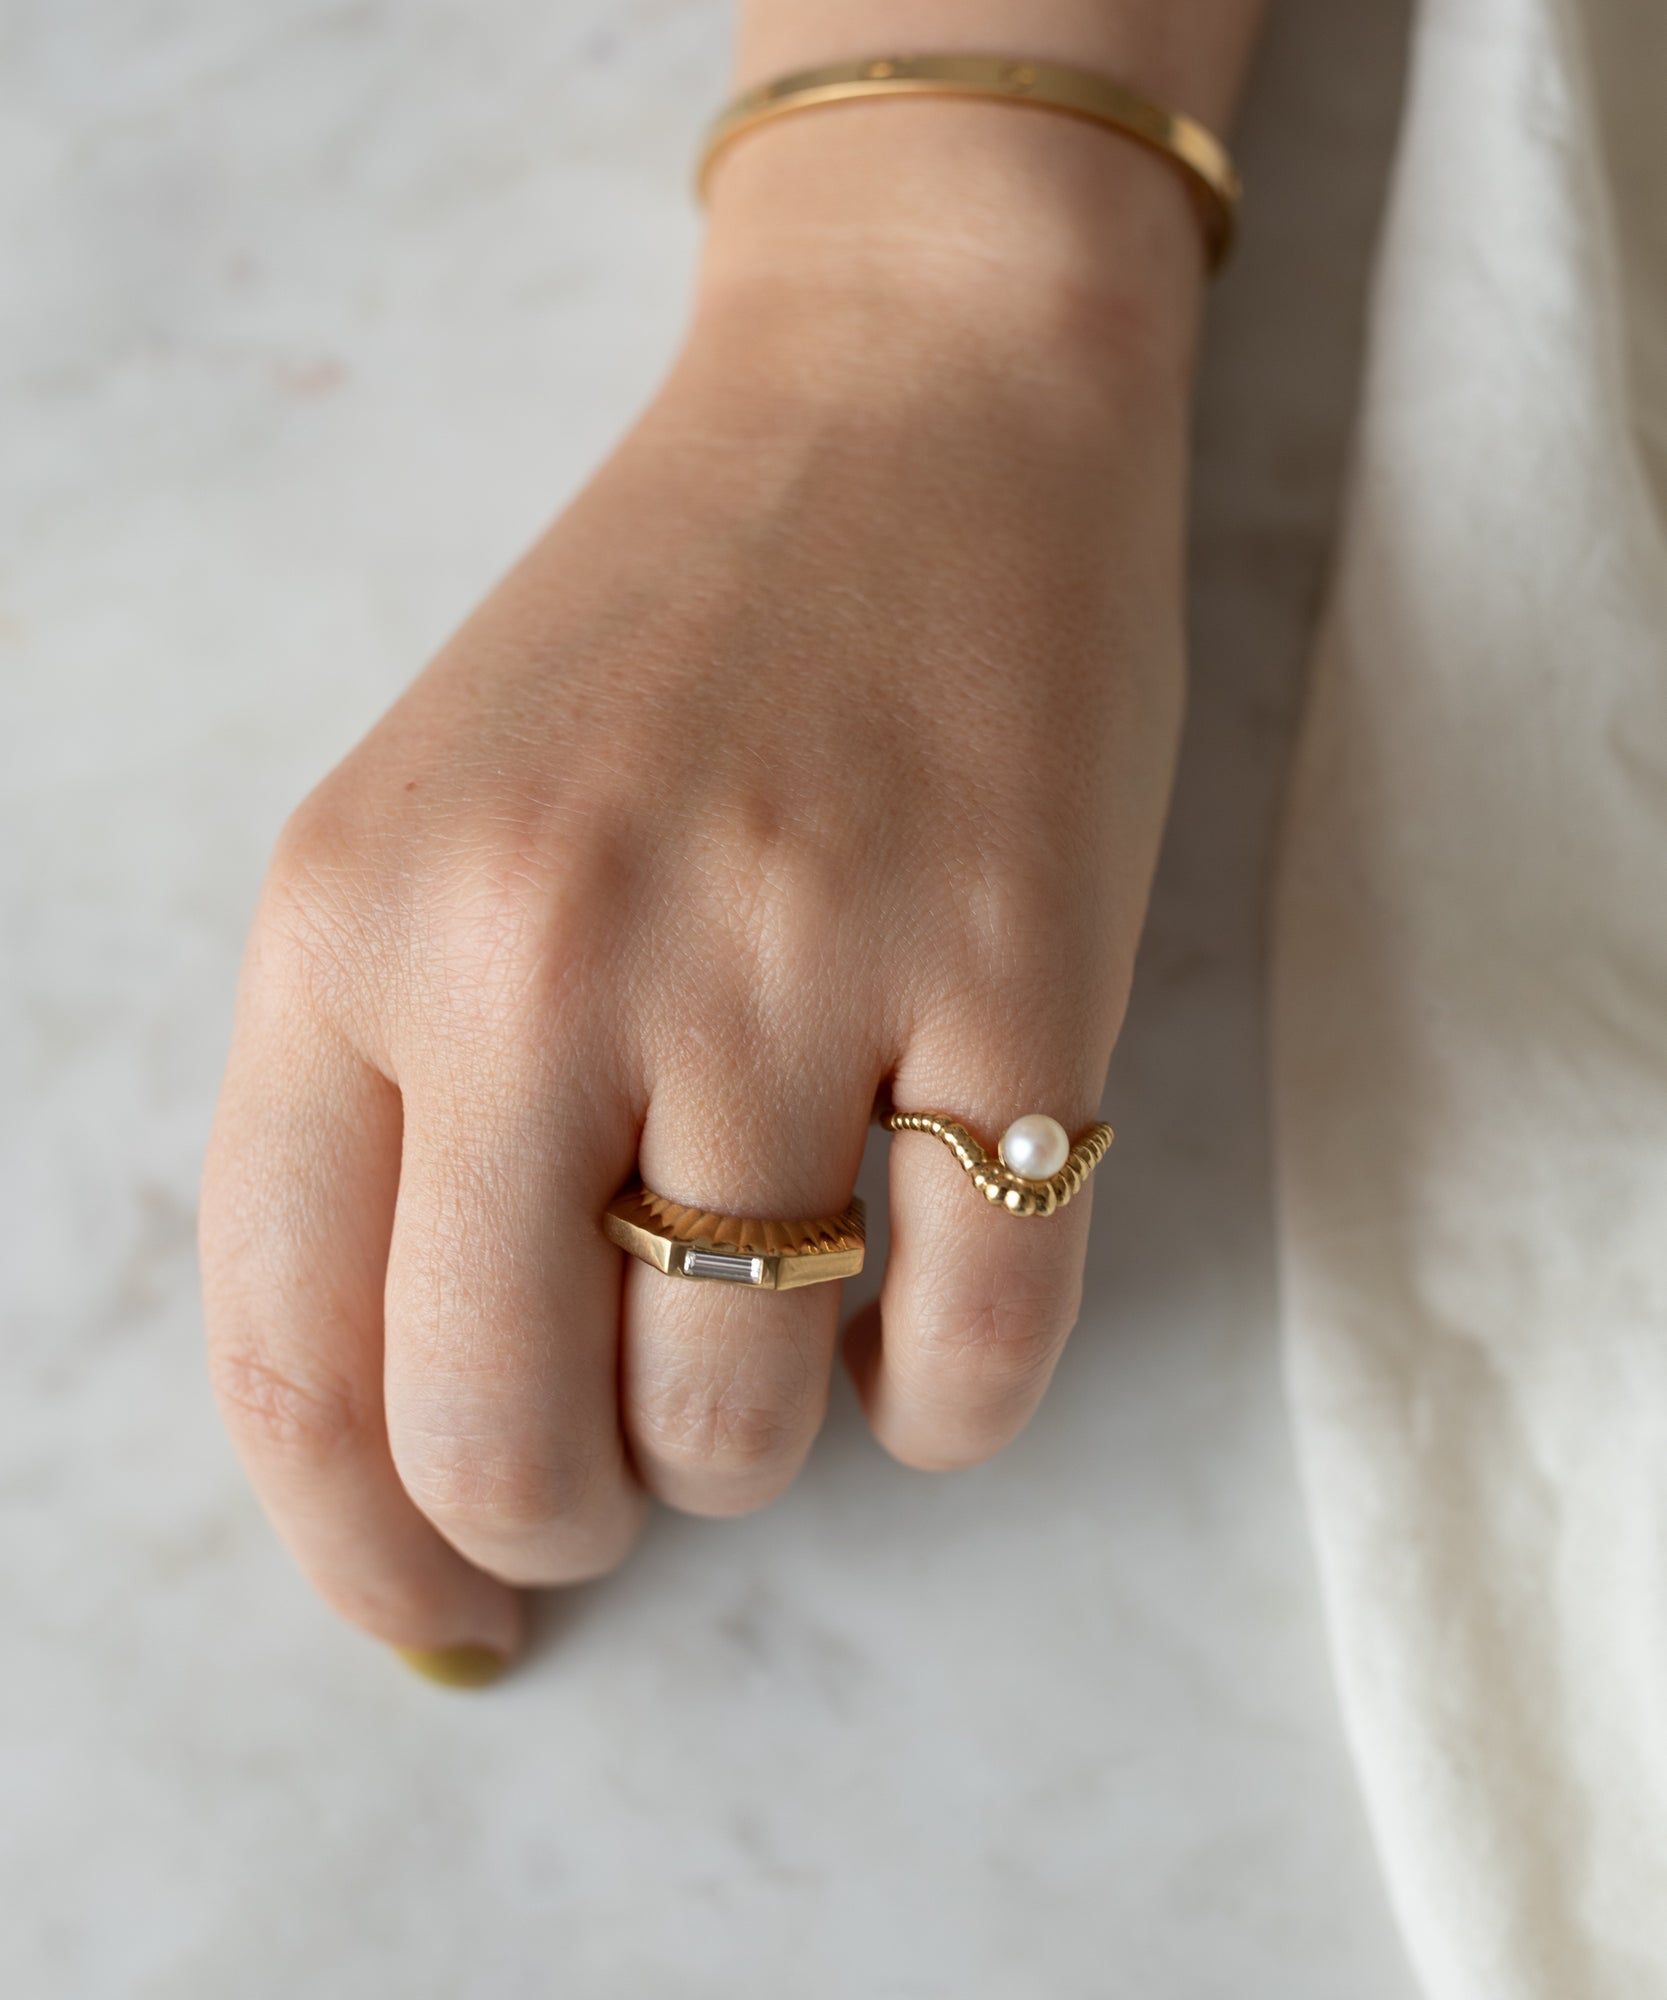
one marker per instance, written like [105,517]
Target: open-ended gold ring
[735,1249]
[1034,1170]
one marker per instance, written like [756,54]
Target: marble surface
[314,311]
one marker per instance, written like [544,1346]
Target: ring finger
[977,1304]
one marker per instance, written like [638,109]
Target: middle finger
[723,1386]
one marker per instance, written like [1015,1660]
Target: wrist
[899,231]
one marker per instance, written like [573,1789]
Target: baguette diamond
[732,1266]
[769,1255]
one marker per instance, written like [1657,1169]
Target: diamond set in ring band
[687,1242]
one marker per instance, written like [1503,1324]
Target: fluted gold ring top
[993,1178]
[775,1256]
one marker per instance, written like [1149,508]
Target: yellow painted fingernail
[455,1666]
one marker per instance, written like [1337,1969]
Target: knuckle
[284,1411]
[1000,920]
[516,921]
[495,1493]
[1001,1342]
[711,1428]
[310,928]
[975,1372]
[782,895]
[314,857]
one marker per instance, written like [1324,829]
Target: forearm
[1023,215]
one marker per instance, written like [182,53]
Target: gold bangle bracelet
[1078,93]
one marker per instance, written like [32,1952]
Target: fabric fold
[1470,1021]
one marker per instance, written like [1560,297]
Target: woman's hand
[819,750]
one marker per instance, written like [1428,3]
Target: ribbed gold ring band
[1078,93]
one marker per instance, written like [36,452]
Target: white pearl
[1035,1146]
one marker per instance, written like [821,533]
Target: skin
[817,754]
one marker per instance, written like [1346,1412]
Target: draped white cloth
[1471,1017]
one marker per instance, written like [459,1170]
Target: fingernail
[455,1666]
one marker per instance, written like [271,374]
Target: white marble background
[313,310]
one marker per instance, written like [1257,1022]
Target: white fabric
[1471,1018]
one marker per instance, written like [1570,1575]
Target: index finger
[297,1209]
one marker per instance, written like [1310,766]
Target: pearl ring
[1036,1168]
